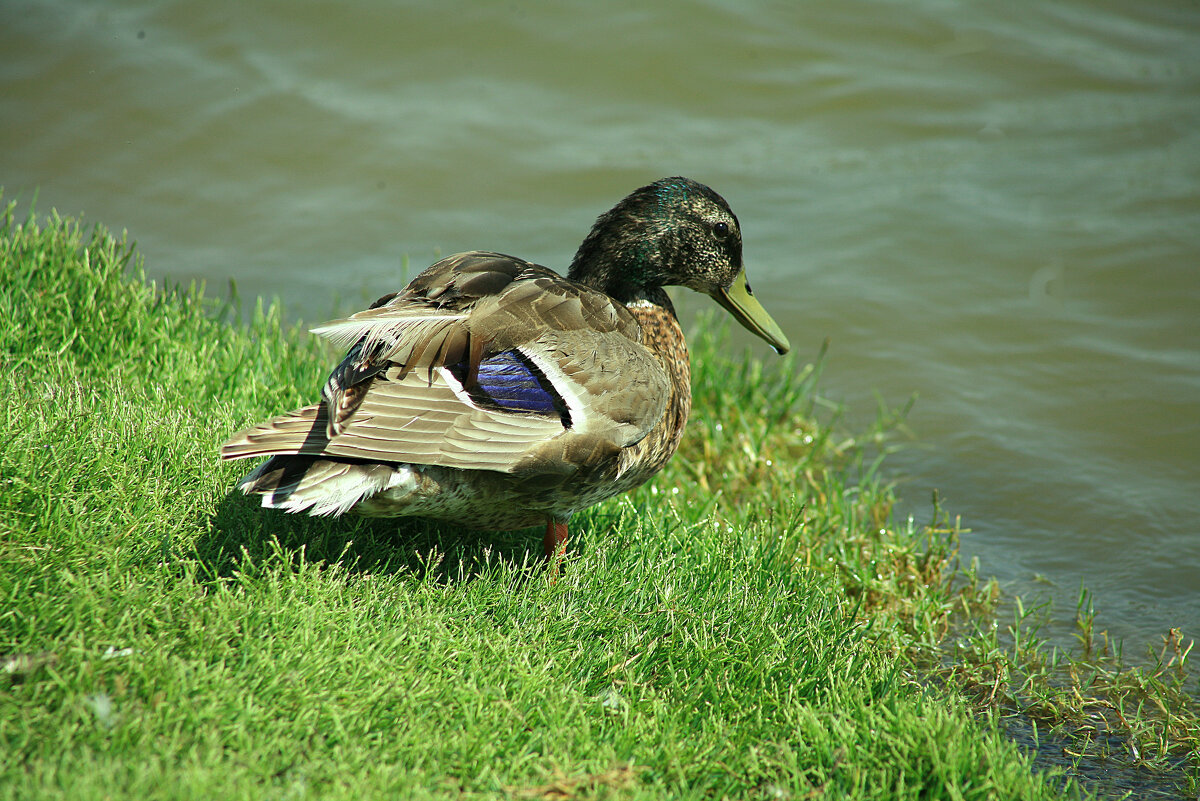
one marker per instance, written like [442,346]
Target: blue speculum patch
[510,381]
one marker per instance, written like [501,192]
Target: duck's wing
[484,362]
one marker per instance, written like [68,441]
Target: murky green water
[996,206]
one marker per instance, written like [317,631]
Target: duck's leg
[555,541]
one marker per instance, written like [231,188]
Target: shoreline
[774,633]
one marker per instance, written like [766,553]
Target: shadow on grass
[241,532]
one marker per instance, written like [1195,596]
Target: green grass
[743,627]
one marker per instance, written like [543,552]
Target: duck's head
[673,232]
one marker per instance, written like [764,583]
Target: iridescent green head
[674,232]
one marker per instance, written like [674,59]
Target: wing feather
[406,391]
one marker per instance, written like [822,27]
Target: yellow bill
[739,301]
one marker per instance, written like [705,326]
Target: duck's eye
[721,230]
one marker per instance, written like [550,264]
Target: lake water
[995,206]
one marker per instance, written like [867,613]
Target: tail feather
[319,486]
[303,431]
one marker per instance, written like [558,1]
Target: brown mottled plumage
[496,394]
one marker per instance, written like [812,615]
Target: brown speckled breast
[662,335]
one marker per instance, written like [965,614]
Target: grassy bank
[743,627]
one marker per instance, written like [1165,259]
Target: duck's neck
[655,298]
[624,270]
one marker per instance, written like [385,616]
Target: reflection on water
[997,210]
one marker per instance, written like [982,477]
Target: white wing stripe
[568,388]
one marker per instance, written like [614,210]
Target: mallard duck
[495,394]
